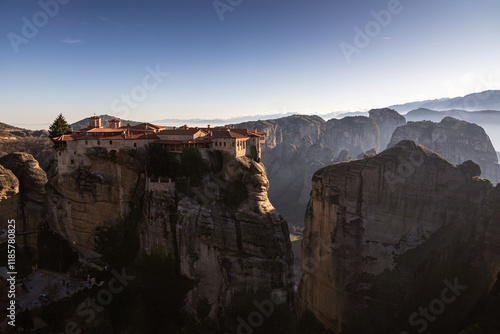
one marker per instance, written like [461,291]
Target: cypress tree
[59,127]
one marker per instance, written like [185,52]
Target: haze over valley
[250,167]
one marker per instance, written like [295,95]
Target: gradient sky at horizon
[264,57]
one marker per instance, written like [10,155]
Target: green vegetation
[39,147]
[59,127]
[4,126]
[235,193]
[119,244]
[160,162]
[193,165]
[255,150]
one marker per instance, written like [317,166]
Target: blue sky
[264,57]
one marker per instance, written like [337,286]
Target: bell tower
[95,122]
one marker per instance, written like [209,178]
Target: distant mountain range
[488,119]
[487,100]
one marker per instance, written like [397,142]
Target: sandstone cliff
[387,120]
[23,198]
[223,233]
[385,236]
[289,130]
[356,134]
[228,237]
[297,146]
[96,193]
[456,141]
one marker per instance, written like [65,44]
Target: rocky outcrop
[398,243]
[98,192]
[456,141]
[356,134]
[387,120]
[292,154]
[343,156]
[288,130]
[231,252]
[223,234]
[24,198]
[9,197]
[298,145]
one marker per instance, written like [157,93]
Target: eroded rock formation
[456,141]
[385,236]
[223,234]
[387,120]
[356,134]
[99,191]
[23,198]
[230,252]
[297,146]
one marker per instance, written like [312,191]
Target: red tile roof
[103,130]
[226,134]
[179,132]
[144,126]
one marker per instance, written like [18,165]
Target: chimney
[254,129]
[227,126]
[174,127]
[208,126]
[232,126]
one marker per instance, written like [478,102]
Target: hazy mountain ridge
[37,143]
[488,119]
[489,99]
[82,124]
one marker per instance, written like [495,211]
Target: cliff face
[455,140]
[229,252]
[356,134]
[387,120]
[386,235]
[223,234]
[95,193]
[289,130]
[23,198]
[9,197]
[297,146]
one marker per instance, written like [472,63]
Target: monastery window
[72,161]
[224,143]
[110,142]
[59,153]
[233,143]
[98,142]
[135,144]
[86,142]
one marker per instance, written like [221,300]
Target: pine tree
[59,127]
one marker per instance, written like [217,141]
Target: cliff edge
[391,237]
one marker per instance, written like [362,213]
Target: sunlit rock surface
[385,235]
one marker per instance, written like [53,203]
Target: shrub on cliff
[193,165]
